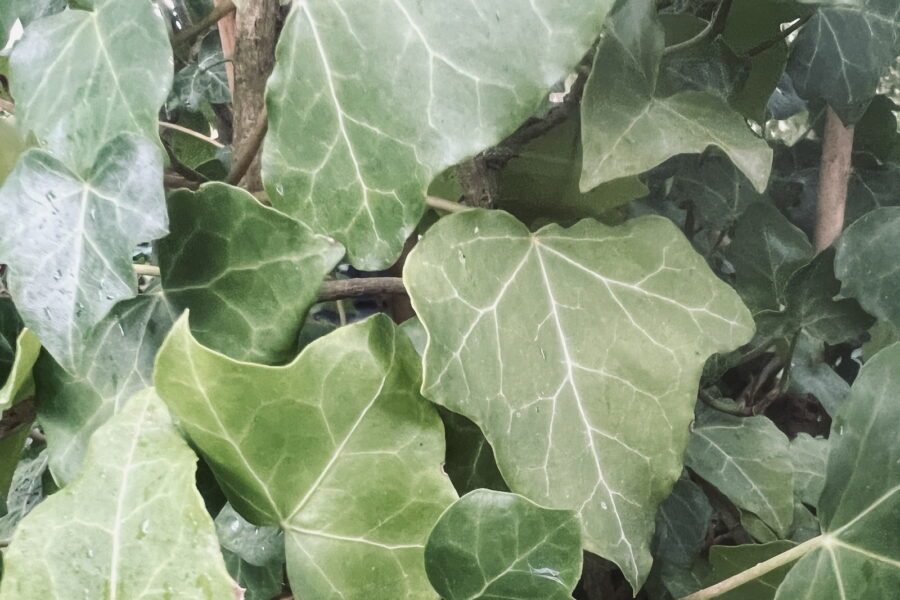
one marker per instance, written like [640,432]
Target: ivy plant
[518,299]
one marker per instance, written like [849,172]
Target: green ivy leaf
[866,263]
[393,99]
[600,422]
[258,583]
[254,555]
[248,273]
[749,460]
[83,77]
[810,374]
[497,545]
[296,446]
[132,525]
[81,233]
[860,504]
[843,50]
[116,362]
[19,383]
[11,146]
[26,489]
[808,455]
[628,128]
[10,328]
[682,523]
[725,561]
[203,81]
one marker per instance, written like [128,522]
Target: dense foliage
[646,341]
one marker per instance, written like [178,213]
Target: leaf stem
[446,205]
[758,570]
[188,35]
[715,28]
[191,132]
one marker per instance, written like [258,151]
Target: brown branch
[226,35]
[172,181]
[249,149]
[339,289]
[837,146]
[188,35]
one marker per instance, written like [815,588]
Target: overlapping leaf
[843,50]
[859,553]
[866,263]
[205,80]
[682,523]
[498,545]
[68,239]
[749,460]
[628,128]
[19,381]
[612,326]
[337,448]
[131,526]
[371,100]
[808,455]
[810,374]
[248,273]
[82,77]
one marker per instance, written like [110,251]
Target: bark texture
[837,147]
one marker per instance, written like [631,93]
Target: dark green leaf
[810,374]
[682,523]
[203,81]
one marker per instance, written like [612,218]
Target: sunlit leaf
[612,326]
[19,382]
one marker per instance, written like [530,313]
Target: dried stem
[837,147]
[191,132]
[188,35]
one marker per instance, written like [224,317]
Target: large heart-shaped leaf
[866,263]
[370,100]
[337,448]
[749,460]
[131,526]
[68,240]
[627,128]
[612,327]
[248,273]
[498,545]
[843,50]
[858,555]
[83,77]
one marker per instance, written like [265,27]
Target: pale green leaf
[248,273]
[81,233]
[749,460]
[859,555]
[255,545]
[19,383]
[628,128]
[132,525]
[612,326]
[116,362]
[494,545]
[11,146]
[83,77]
[808,454]
[866,263]
[369,101]
[681,524]
[843,50]
[337,448]
[810,374]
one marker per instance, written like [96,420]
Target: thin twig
[249,150]
[759,49]
[758,570]
[188,35]
[714,28]
[446,205]
[173,181]
[146,270]
[191,132]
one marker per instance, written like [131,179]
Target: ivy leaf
[248,273]
[296,446]
[725,561]
[811,305]
[628,127]
[19,382]
[11,146]
[81,233]
[810,374]
[10,328]
[843,50]
[866,263]
[254,555]
[748,460]
[766,251]
[203,81]
[258,583]
[808,455]
[26,490]
[83,77]
[497,545]
[116,362]
[393,99]
[610,391]
[682,523]
[132,525]
[860,504]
